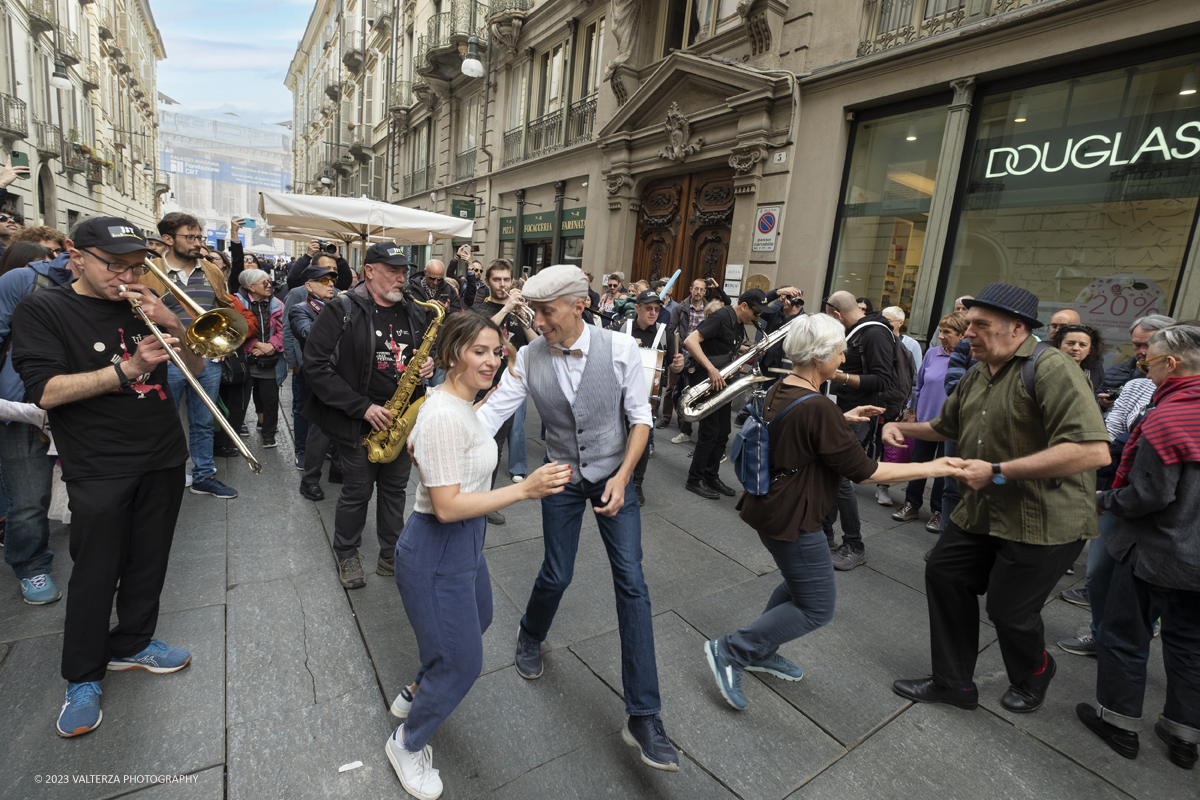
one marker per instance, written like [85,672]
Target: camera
[327,247]
[794,301]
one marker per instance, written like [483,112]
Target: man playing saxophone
[357,350]
[85,356]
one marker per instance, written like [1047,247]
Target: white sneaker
[415,770]
[402,704]
[518,478]
[882,497]
[680,438]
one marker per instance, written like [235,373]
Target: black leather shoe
[1181,753]
[717,485]
[701,488]
[924,690]
[1124,742]
[312,491]
[1031,694]
[226,452]
[662,423]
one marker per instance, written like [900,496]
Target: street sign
[766,226]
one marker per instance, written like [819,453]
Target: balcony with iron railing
[446,31]
[418,181]
[68,48]
[464,165]
[581,120]
[891,23]
[545,135]
[506,6]
[400,96]
[94,171]
[514,146]
[47,139]
[381,16]
[104,24]
[89,75]
[13,120]
[73,159]
[42,16]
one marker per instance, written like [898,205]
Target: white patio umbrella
[262,250]
[355,221]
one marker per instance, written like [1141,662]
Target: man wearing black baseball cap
[1032,437]
[86,357]
[714,345]
[320,285]
[353,362]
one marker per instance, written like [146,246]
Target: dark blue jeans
[846,506]
[300,393]
[1100,565]
[27,473]
[1124,649]
[803,602]
[562,515]
[443,580]
[200,420]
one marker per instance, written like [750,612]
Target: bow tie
[558,351]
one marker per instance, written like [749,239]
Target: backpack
[40,282]
[1028,367]
[896,395]
[751,450]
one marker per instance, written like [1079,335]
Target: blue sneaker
[81,710]
[729,677]
[648,736]
[778,666]
[211,485]
[39,590]
[158,657]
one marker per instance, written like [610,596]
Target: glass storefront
[885,209]
[1083,191]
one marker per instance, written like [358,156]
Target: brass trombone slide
[212,334]
[177,360]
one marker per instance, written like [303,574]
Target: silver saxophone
[698,401]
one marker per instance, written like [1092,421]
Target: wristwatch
[126,381]
[997,477]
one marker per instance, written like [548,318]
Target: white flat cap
[560,280]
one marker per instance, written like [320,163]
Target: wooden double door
[684,223]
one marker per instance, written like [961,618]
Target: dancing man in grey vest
[580,378]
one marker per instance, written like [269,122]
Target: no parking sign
[766,226]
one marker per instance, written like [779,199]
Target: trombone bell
[216,333]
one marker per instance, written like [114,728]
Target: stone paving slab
[878,634]
[208,784]
[295,753]
[761,753]
[1150,775]
[153,724]
[292,644]
[508,726]
[602,770]
[266,547]
[941,752]
[196,572]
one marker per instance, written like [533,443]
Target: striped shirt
[196,286]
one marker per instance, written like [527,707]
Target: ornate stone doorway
[684,222]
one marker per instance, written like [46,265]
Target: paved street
[291,675]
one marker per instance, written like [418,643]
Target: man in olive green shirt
[1028,501]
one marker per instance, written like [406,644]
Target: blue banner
[213,170]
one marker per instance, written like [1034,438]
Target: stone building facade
[907,150]
[78,96]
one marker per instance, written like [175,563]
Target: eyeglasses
[189,238]
[1144,366]
[118,267]
[55,252]
[326,280]
[17,218]
[614,286]
[431,279]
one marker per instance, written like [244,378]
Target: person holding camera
[262,351]
[345,276]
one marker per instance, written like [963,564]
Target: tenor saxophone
[384,446]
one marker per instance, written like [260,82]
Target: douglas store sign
[1094,153]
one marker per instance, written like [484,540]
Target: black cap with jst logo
[386,253]
[110,234]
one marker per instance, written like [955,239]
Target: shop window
[572,251]
[1083,191]
[885,209]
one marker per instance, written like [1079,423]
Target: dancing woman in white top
[440,569]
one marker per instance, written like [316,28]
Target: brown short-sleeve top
[815,440]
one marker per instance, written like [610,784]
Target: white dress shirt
[627,365]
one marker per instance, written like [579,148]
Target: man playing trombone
[85,355]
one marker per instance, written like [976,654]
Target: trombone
[212,334]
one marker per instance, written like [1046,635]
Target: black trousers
[501,437]
[121,529]
[360,478]
[1124,647]
[236,397]
[714,435]
[1016,577]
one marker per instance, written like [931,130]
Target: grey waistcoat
[589,434]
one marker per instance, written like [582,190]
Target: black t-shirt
[645,336]
[722,332]
[125,432]
[394,346]
[512,328]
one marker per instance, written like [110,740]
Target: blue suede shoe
[648,736]
[778,666]
[729,677]
[81,710]
[39,590]
[158,657]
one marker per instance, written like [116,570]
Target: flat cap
[560,280]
